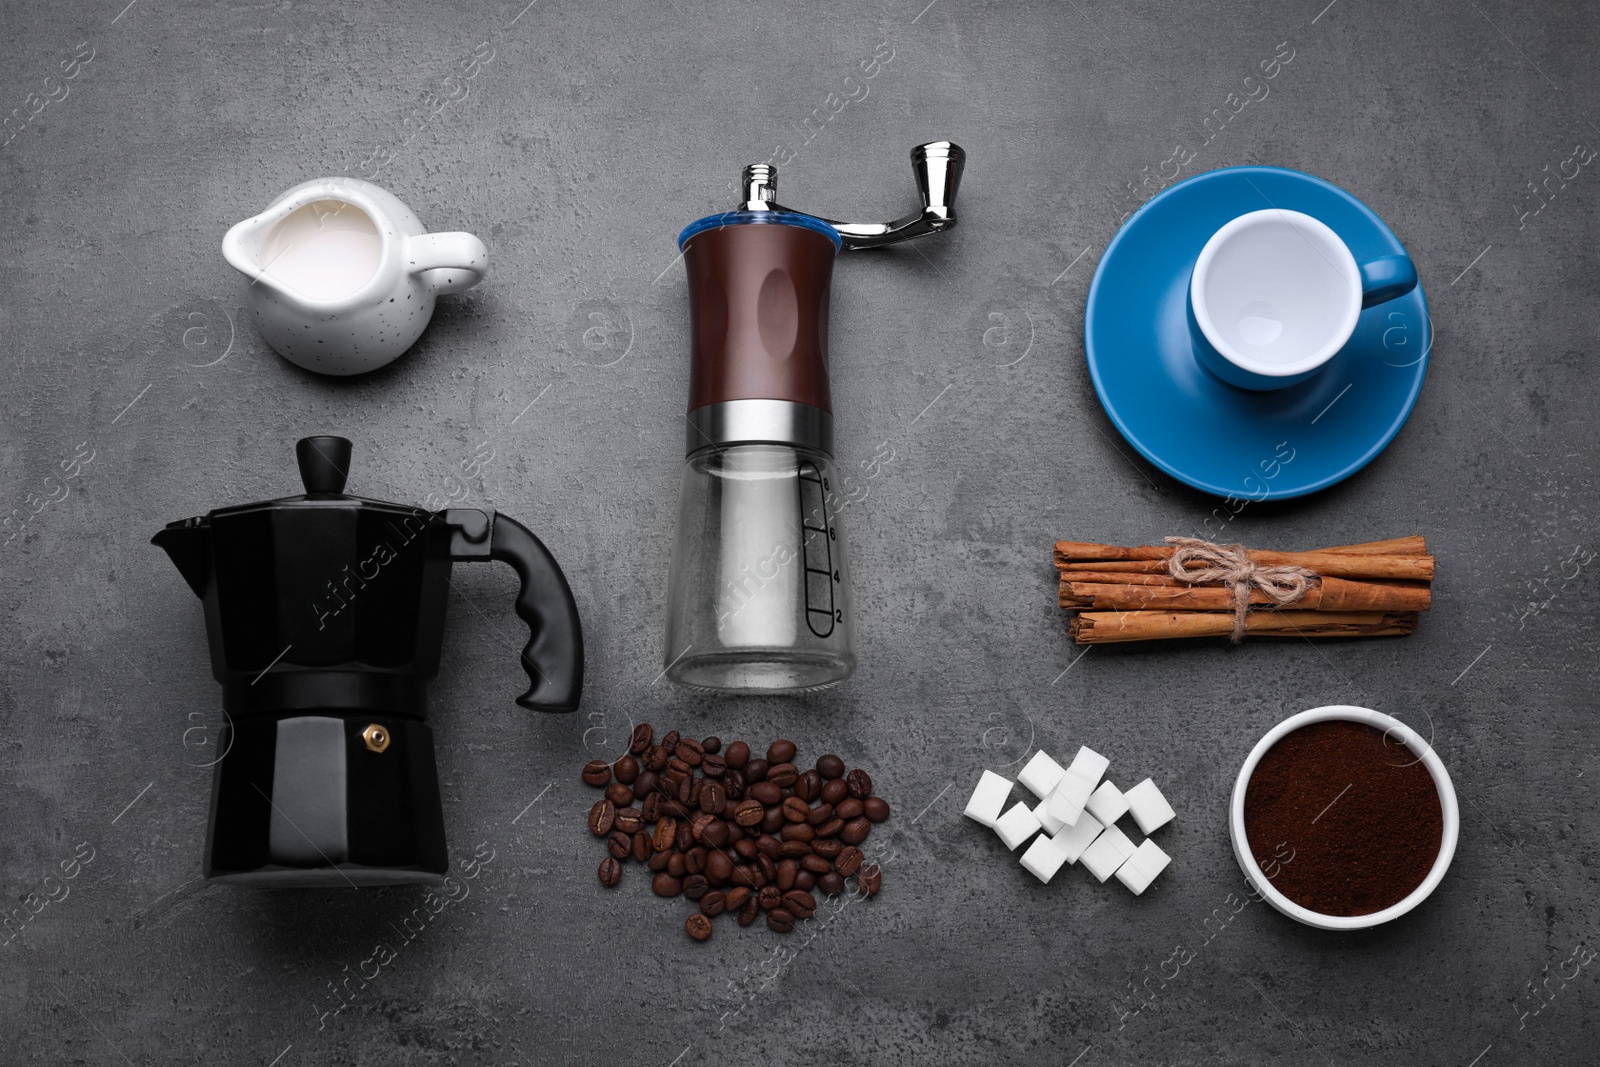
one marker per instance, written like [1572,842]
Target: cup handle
[1385,278]
[448,262]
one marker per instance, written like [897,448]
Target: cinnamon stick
[1111,627]
[1326,594]
[1372,559]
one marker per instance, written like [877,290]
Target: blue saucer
[1203,432]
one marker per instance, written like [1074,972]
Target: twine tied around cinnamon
[1206,563]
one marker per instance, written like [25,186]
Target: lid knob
[324,464]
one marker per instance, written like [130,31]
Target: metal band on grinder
[779,422]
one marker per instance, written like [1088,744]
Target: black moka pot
[325,615]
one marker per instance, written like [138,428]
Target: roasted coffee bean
[830,766]
[712,744]
[647,782]
[788,869]
[768,898]
[757,879]
[834,791]
[650,810]
[619,844]
[735,784]
[695,886]
[848,809]
[816,864]
[626,770]
[794,849]
[796,810]
[819,814]
[748,913]
[716,834]
[655,757]
[629,820]
[799,903]
[855,831]
[831,883]
[780,751]
[768,868]
[713,903]
[597,772]
[689,750]
[666,834]
[805,880]
[827,849]
[671,807]
[684,839]
[780,921]
[749,813]
[737,896]
[610,872]
[876,809]
[808,786]
[768,845]
[713,765]
[658,861]
[859,783]
[744,874]
[798,831]
[756,770]
[698,925]
[642,736]
[619,794]
[766,792]
[772,820]
[641,845]
[680,768]
[831,828]
[783,775]
[684,794]
[698,823]
[664,885]
[745,848]
[719,868]
[670,741]
[849,861]
[694,861]
[712,796]
[602,817]
[869,880]
[736,833]
[738,755]
[676,865]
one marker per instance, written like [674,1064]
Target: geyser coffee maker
[325,616]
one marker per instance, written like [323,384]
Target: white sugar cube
[1090,764]
[1070,795]
[1043,858]
[1049,823]
[1072,840]
[1148,807]
[1109,851]
[1017,825]
[1041,774]
[988,799]
[1107,804]
[1141,868]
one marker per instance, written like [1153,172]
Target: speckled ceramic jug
[343,277]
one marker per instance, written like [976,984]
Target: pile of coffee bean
[732,831]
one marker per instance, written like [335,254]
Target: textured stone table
[586,136]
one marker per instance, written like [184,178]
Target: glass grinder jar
[759,591]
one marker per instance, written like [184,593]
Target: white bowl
[1402,734]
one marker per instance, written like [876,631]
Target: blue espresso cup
[1275,295]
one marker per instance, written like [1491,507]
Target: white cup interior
[1276,292]
[1396,733]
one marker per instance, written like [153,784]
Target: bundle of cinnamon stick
[1372,589]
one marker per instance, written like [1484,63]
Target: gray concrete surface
[592,134]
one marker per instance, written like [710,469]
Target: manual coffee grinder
[759,593]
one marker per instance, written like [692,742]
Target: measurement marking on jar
[814,502]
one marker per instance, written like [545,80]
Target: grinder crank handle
[553,656]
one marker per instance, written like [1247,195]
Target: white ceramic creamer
[343,278]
